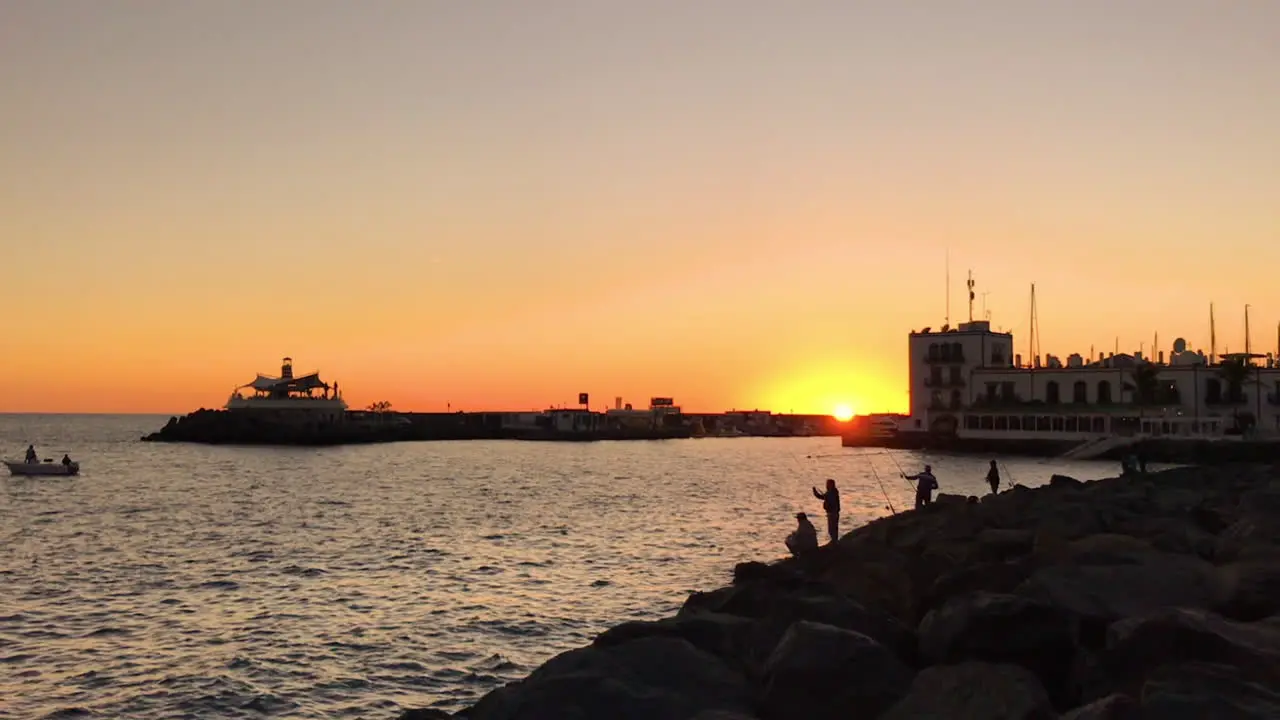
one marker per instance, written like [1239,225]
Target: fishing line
[882,488]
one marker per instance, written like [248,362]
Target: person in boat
[831,506]
[66,460]
[993,478]
[926,483]
[804,539]
[31,454]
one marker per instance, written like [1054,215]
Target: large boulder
[1250,588]
[1105,593]
[776,606]
[995,577]
[973,691]
[1137,647]
[819,672]
[1005,629]
[1111,707]
[729,637]
[650,678]
[1207,690]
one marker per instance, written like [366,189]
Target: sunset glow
[843,413]
[736,205]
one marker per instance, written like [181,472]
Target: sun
[843,413]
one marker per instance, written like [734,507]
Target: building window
[956,377]
[1212,391]
[1080,393]
[1051,392]
[992,390]
[1072,424]
[1043,424]
[997,357]
[957,352]
[933,351]
[1104,392]
[1099,424]
[1029,423]
[971,422]
[945,351]
[1057,424]
[1002,423]
[956,400]
[1006,391]
[987,422]
[1015,423]
[935,375]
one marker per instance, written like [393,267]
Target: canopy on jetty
[1147,596]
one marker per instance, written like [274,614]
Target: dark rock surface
[1148,596]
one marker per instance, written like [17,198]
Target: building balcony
[988,402]
[953,358]
[947,382]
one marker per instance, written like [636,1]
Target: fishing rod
[1007,473]
[882,488]
[900,470]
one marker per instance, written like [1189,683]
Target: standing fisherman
[993,478]
[831,504]
[926,483]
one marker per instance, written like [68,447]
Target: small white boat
[48,467]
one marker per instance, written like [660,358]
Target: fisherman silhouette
[926,483]
[831,505]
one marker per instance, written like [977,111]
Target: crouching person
[805,537]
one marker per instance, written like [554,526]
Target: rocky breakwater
[1141,597]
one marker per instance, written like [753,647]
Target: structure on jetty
[969,389]
[294,400]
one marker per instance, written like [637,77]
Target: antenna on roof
[971,296]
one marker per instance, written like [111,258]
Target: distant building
[300,400]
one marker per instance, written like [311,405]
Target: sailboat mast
[1033,348]
[947,320]
[1213,337]
[1247,345]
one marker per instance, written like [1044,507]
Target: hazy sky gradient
[500,204]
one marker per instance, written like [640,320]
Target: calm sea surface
[176,581]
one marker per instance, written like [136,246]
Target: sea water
[192,581]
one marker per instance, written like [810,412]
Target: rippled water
[189,581]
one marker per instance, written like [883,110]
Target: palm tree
[382,406]
[1146,383]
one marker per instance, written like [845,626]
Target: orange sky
[738,204]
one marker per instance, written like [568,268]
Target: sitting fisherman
[805,537]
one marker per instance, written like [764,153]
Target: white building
[968,382]
[305,399]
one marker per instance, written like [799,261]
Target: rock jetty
[1153,596]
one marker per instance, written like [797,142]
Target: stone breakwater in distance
[223,427]
[1153,596]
